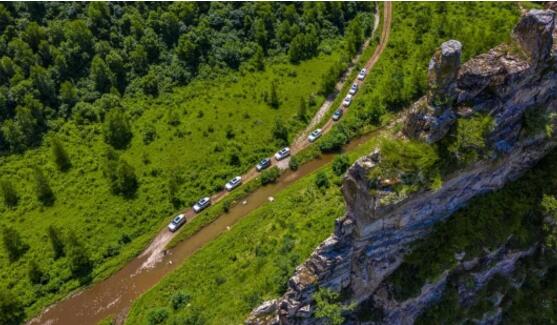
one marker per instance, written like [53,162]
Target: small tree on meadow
[14,245]
[79,260]
[321,180]
[61,158]
[9,193]
[302,110]
[56,242]
[124,181]
[36,275]
[340,164]
[274,100]
[117,129]
[280,132]
[12,311]
[42,188]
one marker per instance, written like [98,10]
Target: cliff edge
[506,84]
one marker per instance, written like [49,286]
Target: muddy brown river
[114,295]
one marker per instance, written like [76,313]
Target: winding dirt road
[114,295]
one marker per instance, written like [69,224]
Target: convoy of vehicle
[282,153]
[177,222]
[202,204]
[353,89]
[265,163]
[338,114]
[314,135]
[362,74]
[233,183]
[347,100]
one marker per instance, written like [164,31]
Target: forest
[62,60]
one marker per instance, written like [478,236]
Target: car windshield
[234,180]
[202,201]
[177,220]
[263,161]
[354,86]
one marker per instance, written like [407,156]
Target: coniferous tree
[80,262]
[56,242]
[274,100]
[117,130]
[124,180]
[280,133]
[12,311]
[302,110]
[14,245]
[36,275]
[42,188]
[11,198]
[61,158]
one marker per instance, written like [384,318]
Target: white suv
[282,153]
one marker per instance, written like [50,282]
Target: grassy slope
[253,261]
[84,204]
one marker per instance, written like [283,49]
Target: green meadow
[185,144]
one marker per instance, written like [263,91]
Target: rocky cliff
[370,242]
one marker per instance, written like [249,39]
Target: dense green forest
[116,115]
[61,60]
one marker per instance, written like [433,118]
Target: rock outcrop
[370,242]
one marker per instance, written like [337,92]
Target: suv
[362,74]
[233,183]
[282,153]
[337,114]
[263,164]
[347,100]
[202,204]
[353,89]
[177,222]
[314,135]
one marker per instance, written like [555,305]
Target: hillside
[94,181]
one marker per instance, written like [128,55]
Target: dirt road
[114,295]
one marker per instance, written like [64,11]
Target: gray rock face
[370,242]
[534,34]
[442,72]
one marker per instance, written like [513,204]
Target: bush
[117,129]
[328,306]
[270,175]
[321,180]
[8,192]
[79,260]
[123,179]
[294,163]
[36,275]
[340,164]
[12,311]
[280,133]
[179,300]
[42,188]
[157,316]
[14,245]
[56,242]
[61,158]
[334,141]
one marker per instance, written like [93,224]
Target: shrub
[12,311]
[117,129]
[42,188]
[327,305]
[270,175]
[149,134]
[321,180]
[14,245]
[294,163]
[469,139]
[56,242]
[61,158]
[11,198]
[124,180]
[179,300]
[157,316]
[334,141]
[36,275]
[280,133]
[79,260]
[340,164]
